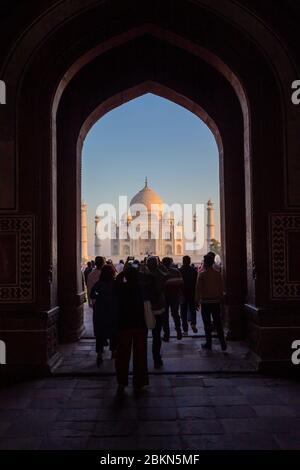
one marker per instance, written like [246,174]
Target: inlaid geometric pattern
[281,224]
[23,228]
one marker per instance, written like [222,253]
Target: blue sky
[149,136]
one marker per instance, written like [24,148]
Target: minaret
[84,237]
[195,234]
[97,239]
[210,224]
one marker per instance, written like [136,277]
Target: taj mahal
[159,233]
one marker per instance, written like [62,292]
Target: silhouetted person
[94,276]
[213,256]
[87,270]
[105,311]
[143,266]
[173,296]
[157,279]
[136,264]
[110,262]
[132,336]
[189,276]
[120,266]
[209,292]
[216,266]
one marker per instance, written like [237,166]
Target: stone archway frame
[91,111]
[15,73]
[245,18]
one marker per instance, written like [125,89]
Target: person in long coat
[132,334]
[105,311]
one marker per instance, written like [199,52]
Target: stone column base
[270,335]
[235,321]
[17,372]
[31,343]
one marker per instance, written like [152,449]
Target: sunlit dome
[147,197]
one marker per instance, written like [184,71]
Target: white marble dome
[147,196]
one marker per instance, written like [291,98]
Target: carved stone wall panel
[17,259]
[285,229]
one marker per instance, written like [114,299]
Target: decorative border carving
[24,227]
[280,225]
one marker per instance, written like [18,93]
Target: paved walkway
[176,412]
[185,356]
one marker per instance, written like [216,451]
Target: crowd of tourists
[130,298]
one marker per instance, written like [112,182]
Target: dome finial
[146,182]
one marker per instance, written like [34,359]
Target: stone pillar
[97,239]
[210,225]
[195,250]
[84,235]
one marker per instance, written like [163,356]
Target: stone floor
[198,401]
[185,356]
[195,412]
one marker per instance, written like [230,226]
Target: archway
[253,118]
[155,136]
[70,146]
[124,149]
